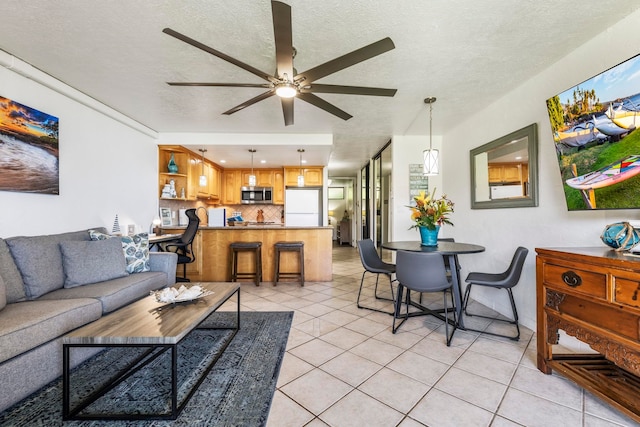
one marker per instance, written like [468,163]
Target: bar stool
[256,248]
[289,247]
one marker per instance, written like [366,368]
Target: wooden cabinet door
[495,174]
[232,186]
[264,177]
[278,187]
[214,183]
[194,269]
[291,176]
[313,176]
[511,173]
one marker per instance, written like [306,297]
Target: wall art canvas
[28,149]
[597,143]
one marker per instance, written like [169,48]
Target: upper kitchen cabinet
[278,187]
[312,176]
[187,178]
[264,177]
[232,181]
[173,165]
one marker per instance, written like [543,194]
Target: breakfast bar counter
[211,247]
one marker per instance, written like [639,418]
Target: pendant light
[301,175]
[430,156]
[252,177]
[203,177]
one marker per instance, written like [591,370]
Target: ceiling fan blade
[264,85]
[321,103]
[348,90]
[250,102]
[219,54]
[284,42]
[287,110]
[344,61]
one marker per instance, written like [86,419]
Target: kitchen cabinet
[195,268]
[232,182]
[278,187]
[180,178]
[214,183]
[591,294]
[312,176]
[506,173]
[264,177]
[190,167]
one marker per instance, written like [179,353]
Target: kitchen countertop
[243,227]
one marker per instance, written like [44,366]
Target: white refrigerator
[303,207]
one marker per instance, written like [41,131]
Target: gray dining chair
[505,280]
[373,264]
[422,272]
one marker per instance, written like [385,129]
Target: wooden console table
[592,294]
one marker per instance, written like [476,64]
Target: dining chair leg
[398,307]
[374,293]
[514,322]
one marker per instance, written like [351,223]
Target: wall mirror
[504,172]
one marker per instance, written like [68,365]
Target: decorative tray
[181,294]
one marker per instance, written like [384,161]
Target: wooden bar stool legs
[256,248]
[290,247]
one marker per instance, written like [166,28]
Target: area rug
[237,392]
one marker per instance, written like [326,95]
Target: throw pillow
[136,250]
[91,262]
[3,294]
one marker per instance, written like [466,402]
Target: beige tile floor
[344,367]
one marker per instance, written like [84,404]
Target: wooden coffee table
[157,327]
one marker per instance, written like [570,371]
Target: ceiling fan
[287,85]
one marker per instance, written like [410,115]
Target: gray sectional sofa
[52,284]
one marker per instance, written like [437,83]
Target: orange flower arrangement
[430,212]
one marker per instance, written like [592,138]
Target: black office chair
[373,264]
[184,245]
[506,280]
[423,272]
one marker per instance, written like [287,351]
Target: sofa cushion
[39,260]
[28,324]
[115,293]
[92,262]
[11,275]
[3,294]
[135,248]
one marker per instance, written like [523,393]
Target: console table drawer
[573,279]
[627,292]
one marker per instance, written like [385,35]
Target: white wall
[549,224]
[406,150]
[106,168]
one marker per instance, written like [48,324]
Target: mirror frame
[531,133]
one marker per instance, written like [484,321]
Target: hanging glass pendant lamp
[301,175]
[203,178]
[252,177]
[430,156]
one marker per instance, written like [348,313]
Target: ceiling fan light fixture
[286,90]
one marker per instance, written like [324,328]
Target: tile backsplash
[271,213]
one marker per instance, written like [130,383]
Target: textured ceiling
[465,52]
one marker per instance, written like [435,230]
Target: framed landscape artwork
[28,149]
[594,125]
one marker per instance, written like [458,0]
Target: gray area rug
[237,392]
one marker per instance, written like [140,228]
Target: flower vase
[429,237]
[172,166]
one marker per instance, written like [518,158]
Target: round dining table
[449,250]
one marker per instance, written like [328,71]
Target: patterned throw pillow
[136,250]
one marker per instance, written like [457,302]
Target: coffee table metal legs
[148,356]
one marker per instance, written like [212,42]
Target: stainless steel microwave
[256,195]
